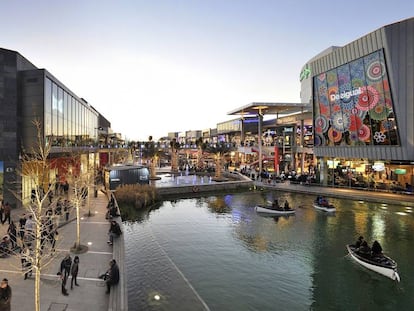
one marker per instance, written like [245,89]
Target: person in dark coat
[112,275]
[74,272]
[12,232]
[359,241]
[376,248]
[5,295]
[364,249]
[22,225]
[7,213]
[64,272]
[25,258]
[114,231]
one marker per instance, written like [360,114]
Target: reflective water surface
[236,259]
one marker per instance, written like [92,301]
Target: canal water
[232,258]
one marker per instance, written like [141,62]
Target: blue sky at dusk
[153,67]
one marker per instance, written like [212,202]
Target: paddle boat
[380,263]
[275,209]
[321,203]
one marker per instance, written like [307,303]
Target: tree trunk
[153,170]
[200,159]
[37,259]
[174,160]
[218,166]
[77,245]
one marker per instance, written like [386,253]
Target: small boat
[381,264]
[273,210]
[329,208]
[325,206]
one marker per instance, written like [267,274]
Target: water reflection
[237,259]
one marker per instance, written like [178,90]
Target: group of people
[67,267]
[276,205]
[363,248]
[322,201]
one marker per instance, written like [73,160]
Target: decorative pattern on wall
[353,104]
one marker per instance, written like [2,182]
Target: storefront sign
[378,166]
[400,171]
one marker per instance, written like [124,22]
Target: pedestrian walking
[5,295]
[29,229]
[74,272]
[22,225]
[7,213]
[52,239]
[25,258]
[64,272]
[12,232]
[65,265]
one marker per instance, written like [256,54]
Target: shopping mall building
[68,123]
[362,96]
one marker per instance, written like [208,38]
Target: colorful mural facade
[353,105]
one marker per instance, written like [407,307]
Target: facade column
[259,139]
[302,158]
[242,131]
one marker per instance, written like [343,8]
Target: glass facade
[68,121]
[229,126]
[353,105]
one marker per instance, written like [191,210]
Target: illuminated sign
[305,73]
[378,166]
[347,94]
[400,171]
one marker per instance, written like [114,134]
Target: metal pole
[260,119]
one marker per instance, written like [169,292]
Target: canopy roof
[270,108]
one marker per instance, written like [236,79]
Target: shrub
[136,195]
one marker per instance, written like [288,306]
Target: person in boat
[376,249]
[364,249]
[359,241]
[324,201]
[275,204]
[318,199]
[286,206]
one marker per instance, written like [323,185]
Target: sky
[154,67]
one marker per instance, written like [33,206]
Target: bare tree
[40,229]
[79,196]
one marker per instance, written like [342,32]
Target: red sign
[276,160]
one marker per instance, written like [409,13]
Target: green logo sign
[305,73]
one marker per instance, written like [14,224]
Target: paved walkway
[90,295]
